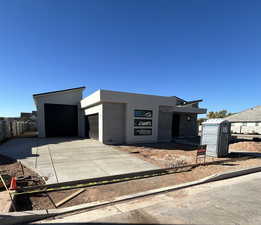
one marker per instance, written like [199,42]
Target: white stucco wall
[72,97]
[93,110]
[132,101]
[95,102]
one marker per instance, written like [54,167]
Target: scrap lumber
[73,195]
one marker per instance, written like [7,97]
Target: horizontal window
[143,113]
[142,123]
[146,131]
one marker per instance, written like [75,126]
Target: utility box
[216,134]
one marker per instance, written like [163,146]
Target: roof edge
[54,92]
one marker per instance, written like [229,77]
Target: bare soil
[247,146]
[14,168]
[163,155]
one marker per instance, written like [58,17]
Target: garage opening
[92,126]
[175,125]
[61,120]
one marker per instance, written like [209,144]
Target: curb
[31,216]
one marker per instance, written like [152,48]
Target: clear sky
[208,49]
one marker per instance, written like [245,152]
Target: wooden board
[73,195]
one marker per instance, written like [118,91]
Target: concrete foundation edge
[30,216]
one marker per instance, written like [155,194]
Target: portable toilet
[215,134]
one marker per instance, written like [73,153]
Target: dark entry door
[60,120]
[92,126]
[175,125]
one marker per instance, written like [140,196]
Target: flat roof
[53,92]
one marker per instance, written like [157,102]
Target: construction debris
[69,197]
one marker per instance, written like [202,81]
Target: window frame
[143,116]
[135,129]
[143,120]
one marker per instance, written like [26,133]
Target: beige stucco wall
[72,97]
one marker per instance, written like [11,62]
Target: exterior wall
[93,110]
[114,122]
[91,100]
[165,126]
[130,137]
[188,127]
[66,98]
[108,104]
[142,102]
[246,128]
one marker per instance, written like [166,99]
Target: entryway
[61,120]
[175,125]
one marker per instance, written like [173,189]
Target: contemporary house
[247,121]
[116,117]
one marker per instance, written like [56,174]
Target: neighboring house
[246,122]
[28,116]
[116,117]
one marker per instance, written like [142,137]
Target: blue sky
[189,48]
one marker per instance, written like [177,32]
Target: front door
[175,125]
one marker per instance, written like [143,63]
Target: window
[143,113]
[142,123]
[244,124]
[258,124]
[138,131]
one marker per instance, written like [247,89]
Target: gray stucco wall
[188,127]
[165,126]
[114,120]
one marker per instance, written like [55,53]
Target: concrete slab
[67,159]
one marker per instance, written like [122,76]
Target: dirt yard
[14,168]
[248,146]
[163,155]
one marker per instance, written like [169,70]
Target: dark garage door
[92,126]
[61,120]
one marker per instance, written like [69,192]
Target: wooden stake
[22,167]
[69,197]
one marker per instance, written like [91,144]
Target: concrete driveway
[64,159]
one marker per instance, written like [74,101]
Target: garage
[92,126]
[61,120]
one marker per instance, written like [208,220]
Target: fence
[13,128]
